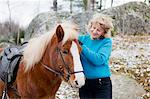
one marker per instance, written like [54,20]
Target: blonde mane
[36,47]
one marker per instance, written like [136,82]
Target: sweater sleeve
[101,56]
[81,38]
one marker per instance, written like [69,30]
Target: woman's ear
[107,34]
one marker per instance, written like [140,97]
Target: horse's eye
[66,51]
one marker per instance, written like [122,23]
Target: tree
[8,5]
[100,5]
[112,2]
[93,4]
[16,33]
[55,5]
[85,4]
[71,6]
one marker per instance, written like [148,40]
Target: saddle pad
[9,64]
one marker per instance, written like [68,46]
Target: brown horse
[1,49]
[47,60]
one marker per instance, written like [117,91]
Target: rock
[126,19]
[128,16]
[46,21]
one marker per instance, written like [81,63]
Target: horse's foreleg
[12,92]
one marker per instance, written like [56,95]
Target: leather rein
[69,73]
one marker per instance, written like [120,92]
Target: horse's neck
[1,49]
[44,74]
[49,80]
[37,82]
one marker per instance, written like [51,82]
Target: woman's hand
[80,43]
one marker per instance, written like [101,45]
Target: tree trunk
[8,4]
[93,4]
[55,5]
[112,2]
[100,5]
[71,6]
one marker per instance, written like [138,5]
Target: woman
[96,50]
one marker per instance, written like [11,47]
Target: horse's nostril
[76,82]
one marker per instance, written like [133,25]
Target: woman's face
[96,30]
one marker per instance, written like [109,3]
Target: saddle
[9,63]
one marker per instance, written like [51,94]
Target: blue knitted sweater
[95,56]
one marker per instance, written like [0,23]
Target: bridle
[69,73]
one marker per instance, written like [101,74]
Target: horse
[1,49]
[47,61]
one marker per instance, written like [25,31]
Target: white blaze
[79,77]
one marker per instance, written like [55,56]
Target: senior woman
[95,54]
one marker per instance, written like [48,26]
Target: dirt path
[124,87]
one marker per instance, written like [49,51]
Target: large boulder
[131,18]
[46,21]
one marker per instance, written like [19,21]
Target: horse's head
[58,51]
[65,56]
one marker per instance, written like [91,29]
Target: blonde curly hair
[103,20]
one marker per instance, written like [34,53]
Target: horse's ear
[59,33]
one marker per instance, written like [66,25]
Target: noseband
[69,73]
